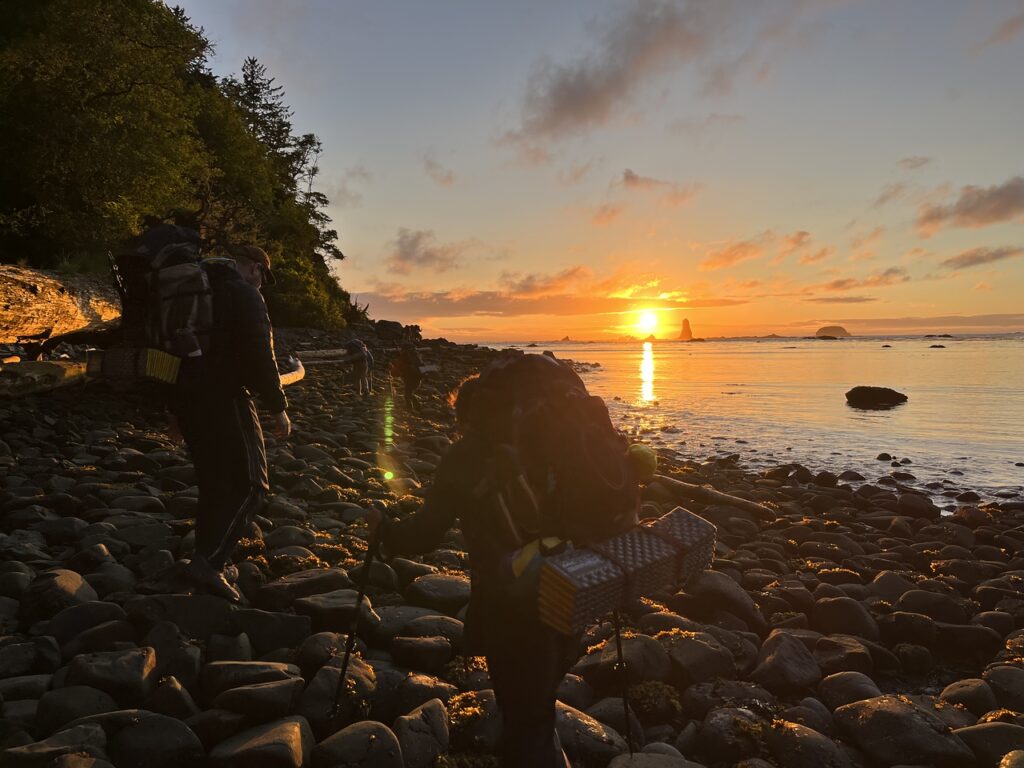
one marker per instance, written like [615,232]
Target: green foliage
[109,114]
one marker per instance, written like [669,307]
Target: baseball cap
[256,254]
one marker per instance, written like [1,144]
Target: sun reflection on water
[647,373]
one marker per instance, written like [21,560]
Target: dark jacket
[240,360]
[456,495]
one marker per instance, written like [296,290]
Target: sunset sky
[535,169]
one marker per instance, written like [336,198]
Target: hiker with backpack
[539,463]
[199,326]
[213,409]
[362,365]
[409,368]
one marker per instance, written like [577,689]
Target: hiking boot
[211,580]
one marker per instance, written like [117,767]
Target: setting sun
[647,322]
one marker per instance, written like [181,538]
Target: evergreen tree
[109,114]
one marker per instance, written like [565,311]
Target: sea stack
[833,332]
[686,334]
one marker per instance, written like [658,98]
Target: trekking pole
[350,641]
[620,667]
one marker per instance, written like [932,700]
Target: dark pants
[527,662]
[225,440]
[411,383]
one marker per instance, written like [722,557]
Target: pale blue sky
[740,124]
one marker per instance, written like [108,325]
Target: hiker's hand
[174,430]
[282,425]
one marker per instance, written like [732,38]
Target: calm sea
[775,401]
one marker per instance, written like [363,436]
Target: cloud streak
[735,253]
[646,40]
[419,250]
[975,207]
[437,173]
[671,193]
[978,256]
[1006,32]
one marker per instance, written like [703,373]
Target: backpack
[560,467]
[167,300]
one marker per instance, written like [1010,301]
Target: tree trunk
[36,305]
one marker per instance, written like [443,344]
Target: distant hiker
[538,463]
[362,365]
[409,368]
[213,410]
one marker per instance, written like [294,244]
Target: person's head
[253,265]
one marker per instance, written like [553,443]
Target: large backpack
[167,300]
[564,469]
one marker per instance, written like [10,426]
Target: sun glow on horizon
[647,322]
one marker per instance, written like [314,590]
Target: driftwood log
[36,306]
[706,495]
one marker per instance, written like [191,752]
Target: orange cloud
[735,253]
[1006,32]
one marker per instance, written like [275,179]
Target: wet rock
[128,675]
[645,658]
[698,700]
[437,625]
[843,653]
[197,616]
[646,760]
[423,734]
[874,398]
[318,699]
[730,734]
[279,595]
[892,730]
[286,743]
[220,676]
[228,648]
[785,664]
[797,746]
[475,722]
[934,605]
[843,615]
[845,688]
[333,611]
[215,725]
[713,591]
[1007,683]
[87,740]
[426,654]
[268,631]
[76,619]
[991,741]
[57,589]
[366,743]
[609,711]
[584,739]
[973,693]
[695,657]
[155,741]
[441,592]
[261,702]
[63,705]
[172,699]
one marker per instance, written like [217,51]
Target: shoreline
[878,588]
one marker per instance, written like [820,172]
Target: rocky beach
[848,625]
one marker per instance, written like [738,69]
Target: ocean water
[776,401]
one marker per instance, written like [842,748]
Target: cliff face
[685,334]
[44,304]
